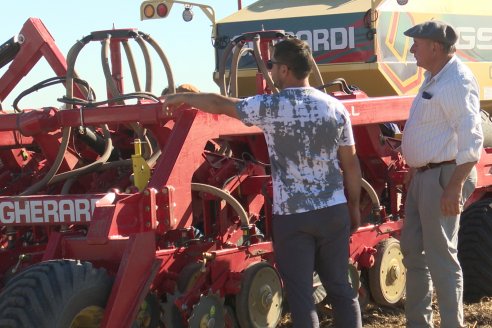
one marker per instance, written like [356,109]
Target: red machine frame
[144,238]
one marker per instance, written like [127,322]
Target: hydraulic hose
[342,85]
[107,71]
[167,67]
[104,166]
[162,56]
[153,159]
[132,95]
[234,69]
[238,51]
[120,163]
[49,82]
[222,65]
[50,177]
[372,193]
[71,58]
[54,168]
[225,196]
[148,62]
[262,66]
[133,68]
[116,93]
[72,55]
[92,166]
[67,185]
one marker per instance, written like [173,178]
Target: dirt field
[478,315]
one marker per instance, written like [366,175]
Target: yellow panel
[274,9]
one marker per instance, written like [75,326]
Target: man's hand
[451,200]
[451,196]
[173,101]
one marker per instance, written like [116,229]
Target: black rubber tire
[475,250]
[52,293]
[230,317]
[244,307]
[486,128]
[188,276]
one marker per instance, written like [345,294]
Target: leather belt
[434,165]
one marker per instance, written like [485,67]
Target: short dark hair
[296,54]
[448,48]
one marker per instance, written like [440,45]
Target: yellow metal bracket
[141,170]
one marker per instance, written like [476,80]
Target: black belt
[434,165]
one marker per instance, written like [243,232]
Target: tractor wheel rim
[264,297]
[144,316]
[89,317]
[207,322]
[393,274]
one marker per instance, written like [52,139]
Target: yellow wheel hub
[89,317]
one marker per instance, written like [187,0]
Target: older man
[442,142]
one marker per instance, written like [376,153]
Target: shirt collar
[441,72]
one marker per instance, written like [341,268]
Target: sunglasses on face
[270,63]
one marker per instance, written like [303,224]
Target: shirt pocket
[429,111]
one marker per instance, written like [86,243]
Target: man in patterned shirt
[312,153]
[442,142]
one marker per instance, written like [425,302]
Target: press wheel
[387,277]
[259,303]
[209,312]
[188,276]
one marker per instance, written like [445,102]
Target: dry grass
[477,315]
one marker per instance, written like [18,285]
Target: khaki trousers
[429,244]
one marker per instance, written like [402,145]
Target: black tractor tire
[486,128]
[51,294]
[230,317]
[475,250]
[188,276]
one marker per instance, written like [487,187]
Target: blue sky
[187,45]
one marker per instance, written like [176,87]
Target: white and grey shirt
[303,129]
[444,122]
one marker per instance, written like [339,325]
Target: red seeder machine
[129,215]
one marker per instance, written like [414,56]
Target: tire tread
[475,250]
[37,296]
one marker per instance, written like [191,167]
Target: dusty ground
[478,315]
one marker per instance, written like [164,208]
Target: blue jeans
[316,240]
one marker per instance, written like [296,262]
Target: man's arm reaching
[208,102]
